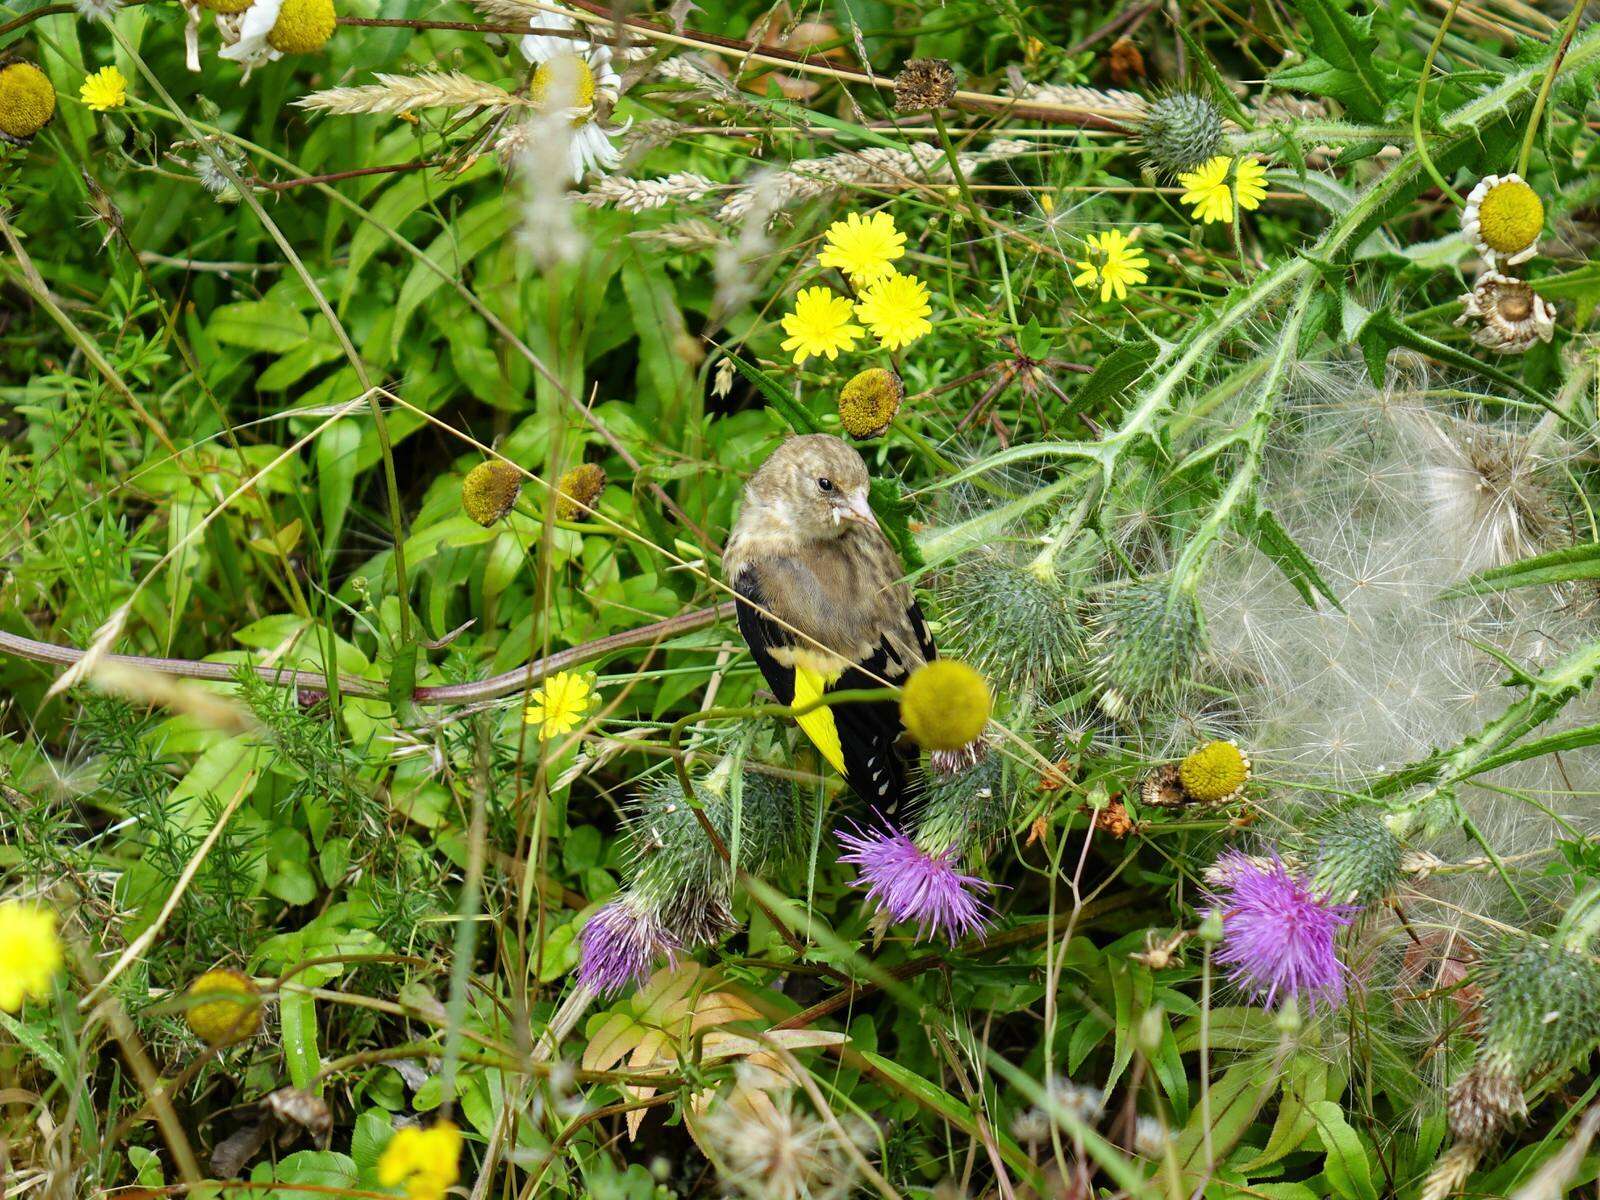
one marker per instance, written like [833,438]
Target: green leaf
[337,460]
[297,1022]
[1115,373]
[469,235]
[1342,63]
[1229,1108]
[1273,540]
[1567,565]
[265,325]
[1346,1169]
[793,414]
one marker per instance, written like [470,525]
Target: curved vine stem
[1416,109]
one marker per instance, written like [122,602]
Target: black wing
[879,767]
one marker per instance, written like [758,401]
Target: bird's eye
[825,484]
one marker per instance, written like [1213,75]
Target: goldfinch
[823,608]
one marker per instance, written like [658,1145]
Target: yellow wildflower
[104,90]
[896,310]
[820,324]
[426,1162]
[560,704]
[1209,190]
[863,248]
[1504,218]
[1114,262]
[30,953]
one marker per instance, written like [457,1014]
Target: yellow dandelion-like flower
[425,1162]
[819,324]
[560,704]
[1114,262]
[863,248]
[896,310]
[1210,191]
[104,90]
[30,953]
[1215,773]
[223,1006]
[945,705]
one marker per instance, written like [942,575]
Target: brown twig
[284,185]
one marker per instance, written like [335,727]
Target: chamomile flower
[27,102]
[104,90]
[819,324]
[1114,262]
[863,247]
[560,704]
[269,29]
[1213,188]
[895,309]
[1503,218]
[576,73]
[1509,315]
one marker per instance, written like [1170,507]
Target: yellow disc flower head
[1215,773]
[27,101]
[569,80]
[30,953]
[863,248]
[1114,263]
[819,324]
[560,704]
[303,26]
[945,705]
[226,7]
[869,401]
[577,490]
[223,1007]
[104,90]
[1504,217]
[489,491]
[425,1162]
[1209,191]
[895,309]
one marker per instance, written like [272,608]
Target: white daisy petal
[257,22]
[541,47]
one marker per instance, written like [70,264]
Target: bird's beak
[857,509]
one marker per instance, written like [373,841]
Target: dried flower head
[1215,773]
[770,1149]
[30,953]
[97,10]
[945,705]
[1510,315]
[489,490]
[1277,933]
[924,84]
[907,883]
[622,942]
[1180,131]
[869,401]
[222,1006]
[1162,788]
[577,491]
[1125,61]
[1503,219]
[27,102]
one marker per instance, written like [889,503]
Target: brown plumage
[806,557]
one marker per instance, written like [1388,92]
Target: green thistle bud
[1542,1006]
[1020,626]
[1180,132]
[1148,641]
[489,491]
[1356,859]
[968,809]
[676,867]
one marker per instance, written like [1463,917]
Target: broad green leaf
[469,235]
[266,325]
[297,1022]
[1346,1168]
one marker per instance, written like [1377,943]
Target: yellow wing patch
[818,723]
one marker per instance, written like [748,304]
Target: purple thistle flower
[1277,934]
[911,885]
[621,943]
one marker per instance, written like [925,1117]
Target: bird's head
[817,483]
